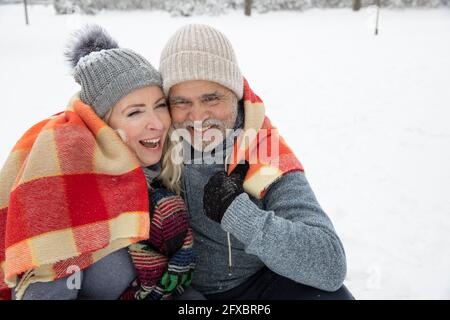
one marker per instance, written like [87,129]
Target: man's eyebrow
[212,94]
[177,98]
[203,96]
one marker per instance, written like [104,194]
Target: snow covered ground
[367,115]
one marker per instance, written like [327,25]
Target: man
[259,231]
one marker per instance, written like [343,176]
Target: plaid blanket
[262,147]
[60,208]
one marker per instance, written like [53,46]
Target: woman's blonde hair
[171,169]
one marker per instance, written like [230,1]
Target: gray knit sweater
[287,231]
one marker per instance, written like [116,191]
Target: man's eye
[179,103]
[211,99]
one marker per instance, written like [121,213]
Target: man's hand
[221,190]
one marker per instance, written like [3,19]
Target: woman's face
[143,116]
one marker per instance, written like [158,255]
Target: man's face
[205,109]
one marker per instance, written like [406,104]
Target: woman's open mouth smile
[151,143]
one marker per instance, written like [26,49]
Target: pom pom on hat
[89,39]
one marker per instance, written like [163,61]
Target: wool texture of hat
[200,52]
[106,72]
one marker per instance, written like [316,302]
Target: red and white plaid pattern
[71,192]
[255,144]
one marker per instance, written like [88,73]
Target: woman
[107,218]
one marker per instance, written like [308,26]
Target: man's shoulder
[289,178]
[287,183]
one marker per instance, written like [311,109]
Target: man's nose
[198,113]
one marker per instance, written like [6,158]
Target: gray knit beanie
[200,52]
[106,72]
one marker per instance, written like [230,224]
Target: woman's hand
[180,267]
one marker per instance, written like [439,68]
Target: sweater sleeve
[291,235]
[106,279]
[54,290]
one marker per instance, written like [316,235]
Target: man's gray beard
[223,126]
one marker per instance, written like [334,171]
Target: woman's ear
[122,135]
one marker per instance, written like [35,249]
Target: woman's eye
[162,105]
[134,113]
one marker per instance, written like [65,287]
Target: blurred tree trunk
[356,5]
[248,7]
[378,16]
[26,11]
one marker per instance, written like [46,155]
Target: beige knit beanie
[200,52]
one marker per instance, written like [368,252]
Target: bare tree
[378,16]
[26,11]
[248,7]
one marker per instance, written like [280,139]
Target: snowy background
[367,115]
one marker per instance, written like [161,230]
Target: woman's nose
[155,123]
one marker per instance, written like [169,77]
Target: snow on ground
[367,115]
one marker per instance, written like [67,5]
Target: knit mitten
[150,267]
[167,254]
[169,221]
[220,191]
